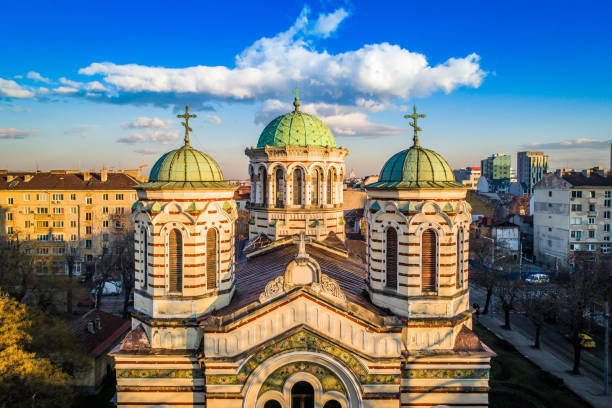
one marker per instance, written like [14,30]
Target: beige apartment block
[66,210]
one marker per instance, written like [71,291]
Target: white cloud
[144,122]
[213,119]
[37,77]
[43,91]
[147,151]
[95,86]
[328,23]
[73,84]
[163,137]
[65,90]
[12,89]
[271,66]
[342,120]
[12,133]
[580,143]
[133,138]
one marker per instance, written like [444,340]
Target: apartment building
[66,210]
[531,168]
[572,213]
[468,176]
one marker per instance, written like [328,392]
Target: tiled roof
[467,340]
[252,276]
[65,181]
[582,180]
[113,327]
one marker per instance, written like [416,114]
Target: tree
[123,260]
[33,347]
[537,303]
[72,255]
[507,290]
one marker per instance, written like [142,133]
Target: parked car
[538,278]
[109,288]
[587,341]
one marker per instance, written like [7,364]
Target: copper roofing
[253,275]
[65,181]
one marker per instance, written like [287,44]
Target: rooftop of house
[594,180]
[68,180]
[107,330]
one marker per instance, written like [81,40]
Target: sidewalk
[583,386]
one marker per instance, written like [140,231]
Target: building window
[26,197]
[577,235]
[297,186]
[43,251]
[591,234]
[211,259]
[105,196]
[576,194]
[331,183]
[88,230]
[9,200]
[57,197]
[145,257]
[429,258]
[88,201]
[118,196]
[391,258]
[606,214]
[278,188]
[104,237]
[73,237]
[576,221]
[315,186]
[591,220]
[119,210]
[606,238]
[42,237]
[42,197]
[591,207]
[576,207]
[73,197]
[607,194]
[27,224]
[73,210]
[105,224]
[104,210]
[460,260]
[42,224]
[550,193]
[9,230]
[591,247]
[88,216]
[133,196]
[88,244]
[73,224]
[606,227]
[607,203]
[9,216]
[58,210]
[605,248]
[26,210]
[175,261]
[591,194]
[58,224]
[42,210]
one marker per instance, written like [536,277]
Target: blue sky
[85,86]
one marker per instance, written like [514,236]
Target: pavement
[550,357]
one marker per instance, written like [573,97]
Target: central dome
[186,165]
[296,129]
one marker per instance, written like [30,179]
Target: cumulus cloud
[163,137]
[271,66]
[65,90]
[147,151]
[213,119]
[343,120]
[580,143]
[11,89]
[12,133]
[133,138]
[144,122]
[37,77]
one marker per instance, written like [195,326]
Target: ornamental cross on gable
[186,116]
[417,129]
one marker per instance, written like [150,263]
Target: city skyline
[93,94]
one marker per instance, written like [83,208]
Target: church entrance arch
[281,378]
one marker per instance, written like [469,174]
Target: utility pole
[606,345]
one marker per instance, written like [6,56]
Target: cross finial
[186,116]
[296,101]
[417,129]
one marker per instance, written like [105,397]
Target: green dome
[296,129]
[416,168]
[185,165]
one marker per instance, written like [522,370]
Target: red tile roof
[113,328]
[65,180]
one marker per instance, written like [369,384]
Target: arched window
[331,183]
[391,258]
[272,404]
[263,178]
[302,395]
[429,261]
[297,186]
[332,404]
[145,258]
[211,259]
[316,186]
[279,191]
[175,261]
[460,259]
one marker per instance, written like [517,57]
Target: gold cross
[186,116]
[417,129]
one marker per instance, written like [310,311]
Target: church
[292,321]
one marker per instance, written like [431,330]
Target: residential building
[572,213]
[468,177]
[99,332]
[66,210]
[496,170]
[531,167]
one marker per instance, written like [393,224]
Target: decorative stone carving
[330,287]
[273,289]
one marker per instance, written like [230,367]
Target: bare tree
[538,303]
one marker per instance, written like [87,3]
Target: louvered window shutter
[429,261]
[391,258]
[175,257]
[211,258]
